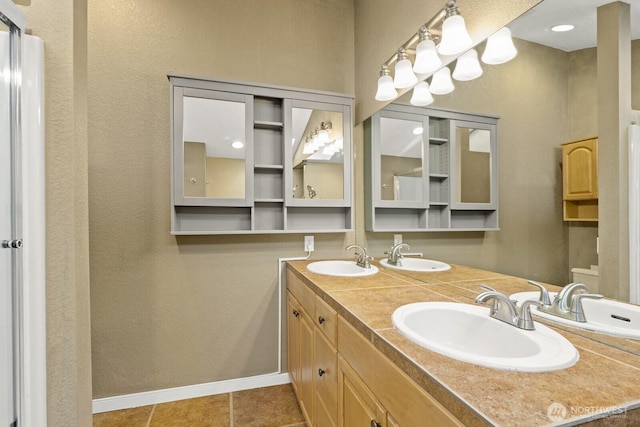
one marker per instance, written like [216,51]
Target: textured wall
[170,311]
[62,26]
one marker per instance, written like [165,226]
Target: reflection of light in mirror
[499,48]
[237,144]
[441,83]
[467,66]
[418,131]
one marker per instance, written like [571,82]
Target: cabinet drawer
[326,319]
[407,402]
[301,291]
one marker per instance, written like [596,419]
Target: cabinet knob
[321,372]
[320,320]
[374,423]
[296,312]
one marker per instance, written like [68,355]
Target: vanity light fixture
[421,95]
[386,90]
[467,66]
[499,48]
[427,59]
[237,144]
[455,38]
[441,83]
[404,75]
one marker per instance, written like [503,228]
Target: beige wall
[170,311]
[63,27]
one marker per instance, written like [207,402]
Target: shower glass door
[10,229]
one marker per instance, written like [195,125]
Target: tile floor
[274,406]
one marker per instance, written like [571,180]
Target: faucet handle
[487,287]
[544,294]
[525,321]
[576,305]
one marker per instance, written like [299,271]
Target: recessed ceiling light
[562,28]
[237,144]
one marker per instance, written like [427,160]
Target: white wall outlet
[397,239]
[308,243]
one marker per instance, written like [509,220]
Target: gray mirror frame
[177,114]
[454,170]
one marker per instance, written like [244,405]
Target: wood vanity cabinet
[580,180]
[341,379]
[311,353]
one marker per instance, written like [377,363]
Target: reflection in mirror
[473,154]
[400,159]
[214,148]
[318,154]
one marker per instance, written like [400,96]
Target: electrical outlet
[308,243]
[397,239]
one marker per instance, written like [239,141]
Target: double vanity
[353,359]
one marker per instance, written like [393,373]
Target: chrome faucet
[362,259]
[568,302]
[507,311]
[395,256]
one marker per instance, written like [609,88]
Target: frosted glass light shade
[421,95]
[427,59]
[441,83]
[467,67]
[386,91]
[404,76]
[455,38]
[499,48]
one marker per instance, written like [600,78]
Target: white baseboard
[115,403]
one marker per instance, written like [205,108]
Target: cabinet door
[326,382]
[293,345]
[306,366]
[300,354]
[580,170]
[357,407]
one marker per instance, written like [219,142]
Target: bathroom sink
[341,268]
[603,316]
[417,264]
[466,332]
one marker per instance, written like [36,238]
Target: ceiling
[535,25]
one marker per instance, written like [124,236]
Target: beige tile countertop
[601,389]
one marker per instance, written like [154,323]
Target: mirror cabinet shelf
[234,147]
[429,169]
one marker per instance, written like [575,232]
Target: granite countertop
[604,382]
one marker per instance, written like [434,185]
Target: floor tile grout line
[151,415]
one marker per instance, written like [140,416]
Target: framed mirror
[473,183]
[318,157]
[399,160]
[213,149]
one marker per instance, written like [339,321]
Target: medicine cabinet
[249,159]
[428,169]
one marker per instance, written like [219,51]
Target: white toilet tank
[588,276]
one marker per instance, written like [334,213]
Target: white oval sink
[466,332]
[603,316]
[417,264]
[341,268]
